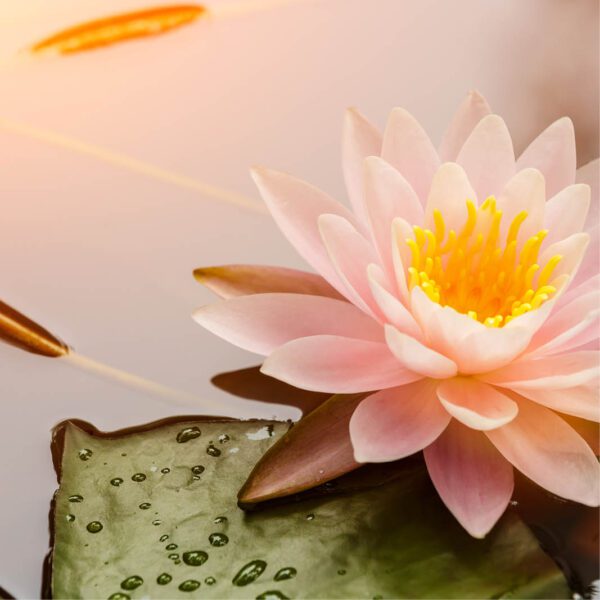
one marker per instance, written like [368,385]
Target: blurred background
[103,256]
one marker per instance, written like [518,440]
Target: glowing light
[477,275]
[132,164]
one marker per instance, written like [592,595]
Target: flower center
[477,275]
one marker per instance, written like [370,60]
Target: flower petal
[350,254]
[476,404]
[359,140]
[580,401]
[394,311]
[472,109]
[296,206]
[388,195]
[262,322]
[573,325]
[335,364]
[589,174]
[407,147]
[525,191]
[395,423]
[474,481]
[566,212]
[229,281]
[572,250]
[548,372]
[488,157]
[548,451]
[553,153]
[315,450]
[450,190]
[418,358]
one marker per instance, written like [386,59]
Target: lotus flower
[457,296]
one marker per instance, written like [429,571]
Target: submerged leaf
[110,30]
[395,540]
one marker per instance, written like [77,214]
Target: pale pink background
[104,257]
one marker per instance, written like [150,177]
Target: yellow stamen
[474,273]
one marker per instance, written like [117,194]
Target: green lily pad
[152,513]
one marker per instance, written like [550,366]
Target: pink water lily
[461,292]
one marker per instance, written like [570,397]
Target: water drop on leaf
[249,572]
[94,526]
[187,434]
[131,583]
[195,558]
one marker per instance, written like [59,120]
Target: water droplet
[119,596]
[234,450]
[212,450]
[156,522]
[163,579]
[171,547]
[195,558]
[514,503]
[210,581]
[165,470]
[220,520]
[70,518]
[94,527]
[261,434]
[224,438]
[123,453]
[145,505]
[117,481]
[85,454]
[174,556]
[341,571]
[163,538]
[310,517]
[272,595]
[131,583]
[198,470]
[137,477]
[75,498]
[285,573]
[218,539]
[187,434]
[176,562]
[189,585]
[250,572]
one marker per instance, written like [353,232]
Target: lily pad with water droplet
[394,539]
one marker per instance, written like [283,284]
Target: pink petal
[393,310]
[572,250]
[350,254]
[472,109]
[589,174]
[549,372]
[388,195]
[471,477]
[553,153]
[580,401]
[262,322]
[296,207]
[476,404]
[548,451]
[524,192]
[417,357]
[450,190]
[407,147]
[229,281]
[474,347]
[395,423]
[360,139]
[338,365]
[589,265]
[401,231]
[566,212]
[573,325]
[487,156]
